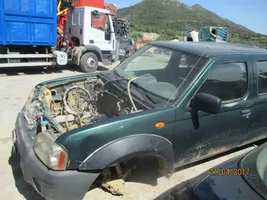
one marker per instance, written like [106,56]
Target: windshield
[256,161]
[163,72]
[124,43]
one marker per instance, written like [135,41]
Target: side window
[228,82]
[100,21]
[262,77]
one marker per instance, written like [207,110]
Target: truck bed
[28,22]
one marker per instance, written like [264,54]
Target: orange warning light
[159,125]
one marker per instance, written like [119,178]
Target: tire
[89,62]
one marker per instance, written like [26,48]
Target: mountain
[169,17]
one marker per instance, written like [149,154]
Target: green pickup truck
[193,101]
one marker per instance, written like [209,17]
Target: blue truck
[29,34]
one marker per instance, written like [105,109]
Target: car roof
[212,49]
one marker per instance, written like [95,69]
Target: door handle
[245,112]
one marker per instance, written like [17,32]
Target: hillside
[168,18]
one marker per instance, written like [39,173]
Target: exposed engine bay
[76,104]
[64,105]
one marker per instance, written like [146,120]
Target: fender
[130,147]
[87,48]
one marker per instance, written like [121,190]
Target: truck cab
[91,30]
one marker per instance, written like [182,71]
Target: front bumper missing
[52,185]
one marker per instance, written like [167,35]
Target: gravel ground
[15,86]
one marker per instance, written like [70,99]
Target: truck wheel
[89,62]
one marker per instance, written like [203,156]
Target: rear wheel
[89,62]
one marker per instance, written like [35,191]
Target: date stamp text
[229,171]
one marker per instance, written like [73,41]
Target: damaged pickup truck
[196,101]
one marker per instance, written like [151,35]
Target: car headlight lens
[49,152]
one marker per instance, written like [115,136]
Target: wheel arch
[81,50]
[131,147]
[94,49]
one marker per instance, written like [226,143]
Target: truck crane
[56,32]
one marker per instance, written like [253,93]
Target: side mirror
[95,13]
[205,103]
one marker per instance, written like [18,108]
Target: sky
[249,13]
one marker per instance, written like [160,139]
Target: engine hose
[59,5]
[63,12]
[129,92]
[60,14]
[59,31]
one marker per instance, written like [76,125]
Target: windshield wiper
[118,78]
[146,92]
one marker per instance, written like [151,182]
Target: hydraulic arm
[63,8]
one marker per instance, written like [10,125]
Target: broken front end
[55,109]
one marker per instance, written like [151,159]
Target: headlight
[49,152]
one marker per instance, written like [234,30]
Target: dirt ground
[15,86]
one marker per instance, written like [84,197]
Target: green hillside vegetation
[168,18]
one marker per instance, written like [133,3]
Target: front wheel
[89,62]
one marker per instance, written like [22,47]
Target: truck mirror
[205,103]
[95,12]
[107,29]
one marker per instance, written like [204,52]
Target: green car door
[230,79]
[258,129]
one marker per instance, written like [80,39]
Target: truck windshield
[162,72]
